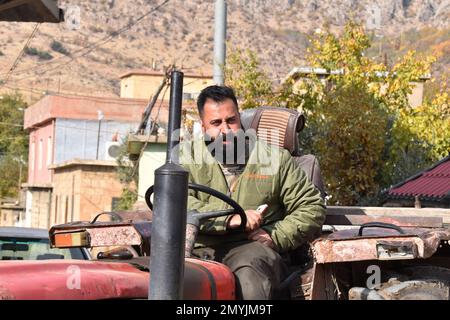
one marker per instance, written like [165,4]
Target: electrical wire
[19,56]
[92,46]
[152,127]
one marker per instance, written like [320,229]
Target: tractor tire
[416,290]
[417,283]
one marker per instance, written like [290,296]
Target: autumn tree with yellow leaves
[359,123]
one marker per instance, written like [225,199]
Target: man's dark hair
[217,94]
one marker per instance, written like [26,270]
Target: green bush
[58,47]
[13,145]
[43,55]
[31,51]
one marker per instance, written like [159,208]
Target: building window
[32,155]
[49,151]
[40,154]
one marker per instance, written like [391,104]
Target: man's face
[221,119]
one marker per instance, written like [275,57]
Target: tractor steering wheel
[196,216]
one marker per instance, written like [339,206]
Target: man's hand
[261,236]
[254,220]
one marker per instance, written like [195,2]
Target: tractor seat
[289,124]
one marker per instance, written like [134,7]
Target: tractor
[362,254]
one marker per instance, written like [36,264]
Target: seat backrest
[288,124]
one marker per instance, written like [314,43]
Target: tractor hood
[95,280]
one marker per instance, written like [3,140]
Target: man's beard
[234,151]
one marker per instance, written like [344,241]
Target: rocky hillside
[90,59]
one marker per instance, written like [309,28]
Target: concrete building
[11,213]
[141,84]
[153,156]
[63,128]
[301,74]
[82,189]
[72,175]
[150,150]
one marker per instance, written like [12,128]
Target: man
[252,173]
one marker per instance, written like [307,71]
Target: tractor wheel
[417,283]
[415,290]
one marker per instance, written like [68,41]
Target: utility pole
[100,118]
[20,178]
[220,35]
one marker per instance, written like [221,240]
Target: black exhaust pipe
[169,210]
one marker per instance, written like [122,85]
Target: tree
[375,144]
[128,174]
[431,124]
[243,73]
[359,121]
[13,145]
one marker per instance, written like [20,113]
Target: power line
[66,127]
[152,127]
[97,43]
[70,95]
[19,56]
[65,93]
[92,46]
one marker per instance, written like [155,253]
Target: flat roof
[82,162]
[84,108]
[305,70]
[79,107]
[37,185]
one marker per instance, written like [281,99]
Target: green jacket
[296,211]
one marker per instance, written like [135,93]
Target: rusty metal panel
[137,215]
[96,237]
[122,235]
[398,250]
[391,212]
[375,232]
[401,221]
[423,245]
[326,251]
[100,233]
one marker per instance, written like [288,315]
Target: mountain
[114,37]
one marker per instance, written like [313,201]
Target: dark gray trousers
[258,269]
